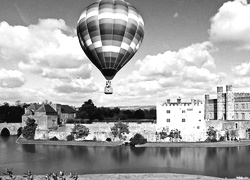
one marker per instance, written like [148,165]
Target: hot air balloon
[110,32]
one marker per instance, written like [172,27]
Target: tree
[175,134]
[163,135]
[89,111]
[233,133]
[137,139]
[80,131]
[30,129]
[119,130]
[211,133]
[18,103]
[139,114]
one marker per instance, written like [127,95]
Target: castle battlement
[228,106]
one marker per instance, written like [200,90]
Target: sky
[189,48]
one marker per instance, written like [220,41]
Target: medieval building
[187,117]
[230,111]
[229,105]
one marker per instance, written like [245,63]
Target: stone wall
[222,126]
[101,131]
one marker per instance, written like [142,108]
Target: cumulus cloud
[173,63]
[48,46]
[187,72]
[11,78]
[231,24]
[76,86]
[242,69]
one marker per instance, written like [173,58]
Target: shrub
[137,139]
[108,140]
[214,140]
[81,131]
[30,129]
[163,134]
[71,121]
[70,137]
[54,139]
[222,138]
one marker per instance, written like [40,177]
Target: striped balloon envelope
[110,32]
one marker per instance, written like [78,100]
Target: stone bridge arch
[13,128]
[5,132]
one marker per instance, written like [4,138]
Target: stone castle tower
[206,108]
[229,103]
[220,103]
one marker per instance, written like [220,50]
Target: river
[42,159]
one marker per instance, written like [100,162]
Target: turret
[206,106]
[229,103]
[220,103]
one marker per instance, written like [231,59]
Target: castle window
[183,111]
[168,120]
[243,106]
[199,111]
[168,111]
[183,120]
[236,106]
[246,106]
[243,116]
[198,127]
[236,116]
[200,120]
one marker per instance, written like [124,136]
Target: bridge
[7,129]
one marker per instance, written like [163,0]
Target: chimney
[168,101]
[179,100]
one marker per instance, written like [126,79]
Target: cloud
[76,86]
[172,63]
[242,69]
[11,78]
[230,25]
[48,47]
[188,72]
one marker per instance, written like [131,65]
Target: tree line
[92,113]
[11,114]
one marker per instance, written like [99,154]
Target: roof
[67,109]
[29,113]
[47,109]
[34,106]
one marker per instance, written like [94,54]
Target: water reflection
[41,159]
[138,151]
[120,154]
[31,148]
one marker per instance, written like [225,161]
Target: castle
[188,117]
[229,105]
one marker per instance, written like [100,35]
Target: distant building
[229,105]
[45,116]
[65,112]
[187,117]
[48,116]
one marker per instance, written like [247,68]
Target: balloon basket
[108,89]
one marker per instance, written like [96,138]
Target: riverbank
[197,144]
[70,143]
[144,176]
[119,143]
